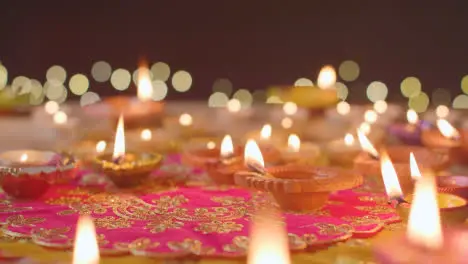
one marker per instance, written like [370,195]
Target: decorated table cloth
[180,214]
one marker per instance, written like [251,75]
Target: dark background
[253,43]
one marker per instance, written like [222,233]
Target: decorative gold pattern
[396,226]
[228,200]
[111,222]
[21,221]
[376,209]
[332,230]
[362,220]
[65,200]
[159,226]
[191,246]
[84,209]
[239,245]
[219,227]
[138,244]
[376,199]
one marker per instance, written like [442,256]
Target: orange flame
[327,77]
[389,176]
[86,250]
[24,157]
[227,147]
[412,117]
[446,129]
[119,144]
[415,173]
[294,143]
[252,154]
[145,87]
[266,131]
[366,145]
[101,146]
[146,135]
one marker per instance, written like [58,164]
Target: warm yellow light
[86,250]
[51,107]
[146,135]
[343,108]
[370,116]
[365,128]
[294,143]
[185,119]
[252,154]
[327,77]
[442,111]
[119,144]
[290,108]
[101,146]
[60,118]
[415,173]
[24,157]
[145,87]
[268,239]
[286,123]
[366,145]
[389,176]
[210,145]
[265,133]
[233,106]
[424,227]
[349,140]
[227,147]
[446,129]
[380,106]
[412,117]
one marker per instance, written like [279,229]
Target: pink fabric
[183,220]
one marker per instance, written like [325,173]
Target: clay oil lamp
[205,155]
[86,150]
[454,184]
[298,152]
[126,169]
[221,169]
[342,152]
[269,143]
[448,139]
[425,241]
[184,126]
[368,163]
[28,174]
[157,140]
[409,133]
[298,188]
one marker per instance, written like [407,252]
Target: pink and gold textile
[187,218]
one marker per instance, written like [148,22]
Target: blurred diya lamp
[28,174]
[126,169]
[454,184]
[342,152]
[367,162]
[228,161]
[206,154]
[86,150]
[409,133]
[14,104]
[185,127]
[425,241]
[295,187]
[324,130]
[269,143]
[157,140]
[298,152]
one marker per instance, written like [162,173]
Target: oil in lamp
[222,170]
[425,241]
[85,250]
[300,152]
[126,169]
[409,133]
[295,187]
[342,152]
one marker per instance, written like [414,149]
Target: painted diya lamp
[268,143]
[126,169]
[409,133]
[298,188]
[425,241]
[28,174]
[298,152]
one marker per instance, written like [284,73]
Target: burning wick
[366,145]
[447,130]
[390,179]
[227,151]
[253,158]
[119,145]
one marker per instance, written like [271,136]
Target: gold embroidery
[380,209]
[228,200]
[219,227]
[64,200]
[162,225]
[239,245]
[8,208]
[209,214]
[138,244]
[322,212]
[84,209]
[310,239]
[396,226]
[170,202]
[296,242]
[111,222]
[364,220]
[190,246]
[20,221]
[332,230]
[101,240]
[377,199]
[51,234]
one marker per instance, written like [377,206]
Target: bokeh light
[138,73]
[60,118]
[159,90]
[341,90]
[120,79]
[290,108]
[223,85]
[63,96]
[259,96]
[51,107]
[410,87]
[377,91]
[185,119]
[56,73]
[303,82]
[18,84]
[54,90]
[343,108]
[464,84]
[365,128]
[460,102]
[3,76]
[35,91]
[286,122]
[441,97]
[79,84]
[233,105]
[442,111]
[244,96]
[380,106]
[161,71]
[89,98]
[370,116]
[181,81]
[218,99]
[274,100]
[101,71]
[419,103]
[349,70]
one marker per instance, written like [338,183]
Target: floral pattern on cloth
[172,220]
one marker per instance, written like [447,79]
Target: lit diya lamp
[368,163]
[342,152]
[269,143]
[85,151]
[28,174]
[409,133]
[86,249]
[126,169]
[453,208]
[295,187]
[425,241]
[454,184]
[139,111]
[298,152]
[157,140]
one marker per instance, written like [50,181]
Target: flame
[252,153]
[446,129]
[265,133]
[145,87]
[146,135]
[268,239]
[119,144]
[210,145]
[365,128]
[101,146]
[327,77]
[412,117]
[370,116]
[424,228]
[185,119]
[227,148]
[389,176]
[86,250]
[415,173]
[366,145]
[24,157]
[294,143]
[349,140]
[60,118]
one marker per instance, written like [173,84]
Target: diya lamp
[409,133]
[157,140]
[185,127]
[28,174]
[342,152]
[86,249]
[295,187]
[126,169]
[85,151]
[298,152]
[454,184]
[425,241]
[269,143]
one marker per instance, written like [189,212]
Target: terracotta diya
[409,133]
[298,152]
[297,188]
[269,143]
[454,184]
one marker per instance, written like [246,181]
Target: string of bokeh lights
[55,88]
